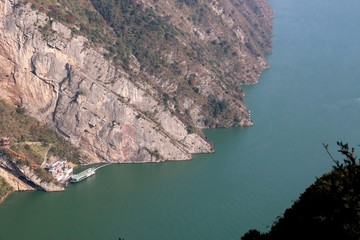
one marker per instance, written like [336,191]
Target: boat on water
[82,175]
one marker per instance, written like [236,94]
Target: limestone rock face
[23,178]
[38,181]
[14,181]
[65,81]
[71,87]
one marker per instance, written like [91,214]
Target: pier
[85,174]
[107,164]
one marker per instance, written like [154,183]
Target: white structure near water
[61,171]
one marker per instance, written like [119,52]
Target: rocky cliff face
[123,114]
[23,178]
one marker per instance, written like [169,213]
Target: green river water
[310,95]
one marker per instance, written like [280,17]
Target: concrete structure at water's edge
[85,174]
[61,171]
[82,175]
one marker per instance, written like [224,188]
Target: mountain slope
[131,81]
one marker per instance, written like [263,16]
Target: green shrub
[20,128]
[5,188]
[328,209]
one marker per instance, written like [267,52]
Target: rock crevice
[115,114]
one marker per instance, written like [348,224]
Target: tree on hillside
[328,209]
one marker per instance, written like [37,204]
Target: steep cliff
[23,178]
[28,148]
[126,106]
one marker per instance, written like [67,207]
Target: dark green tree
[328,209]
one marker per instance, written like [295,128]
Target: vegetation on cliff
[5,188]
[328,209]
[188,49]
[126,79]
[24,131]
[31,145]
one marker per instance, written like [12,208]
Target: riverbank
[309,96]
[2,199]
[62,171]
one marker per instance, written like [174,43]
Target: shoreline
[2,199]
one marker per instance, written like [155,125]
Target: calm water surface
[309,96]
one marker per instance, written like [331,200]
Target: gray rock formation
[23,178]
[70,86]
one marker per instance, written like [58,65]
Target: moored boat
[82,175]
